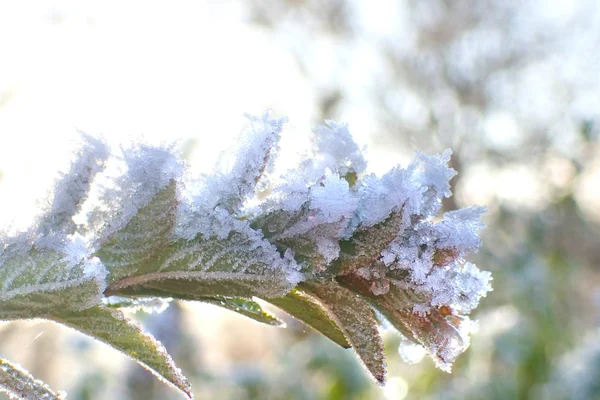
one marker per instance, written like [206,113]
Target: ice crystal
[336,145]
[333,199]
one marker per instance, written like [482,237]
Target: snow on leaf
[21,385]
[462,288]
[111,327]
[357,321]
[40,276]
[307,309]
[255,155]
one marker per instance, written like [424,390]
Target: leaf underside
[197,285]
[245,307]
[306,309]
[111,327]
[357,321]
[19,384]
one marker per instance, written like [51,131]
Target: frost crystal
[333,199]
[335,144]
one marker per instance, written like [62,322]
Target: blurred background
[512,87]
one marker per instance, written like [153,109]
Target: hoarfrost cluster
[138,224]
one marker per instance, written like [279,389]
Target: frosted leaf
[256,150]
[443,335]
[141,174]
[42,275]
[128,250]
[348,241]
[243,264]
[73,188]
[330,203]
[356,320]
[256,154]
[150,169]
[111,327]
[210,204]
[334,141]
[21,385]
[459,229]
[366,245]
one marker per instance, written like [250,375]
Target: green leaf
[38,281]
[245,307]
[19,384]
[308,310]
[143,238]
[357,321]
[111,327]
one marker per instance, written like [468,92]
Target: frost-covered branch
[331,245]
